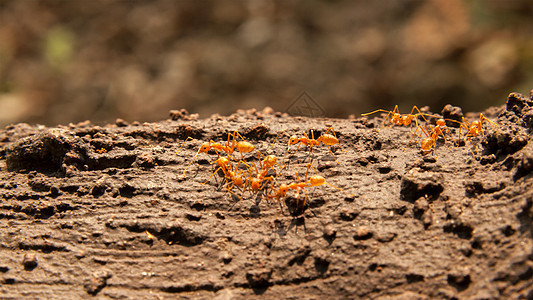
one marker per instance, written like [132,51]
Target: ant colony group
[428,134]
[263,179]
[242,175]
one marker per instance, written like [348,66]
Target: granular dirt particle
[97,282]
[385,237]
[450,112]
[363,233]
[329,233]
[29,261]
[259,278]
[121,123]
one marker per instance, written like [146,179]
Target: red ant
[284,188]
[325,138]
[476,127]
[265,165]
[242,146]
[439,130]
[401,119]
[428,143]
[315,180]
[233,178]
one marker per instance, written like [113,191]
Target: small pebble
[329,232]
[29,261]
[268,110]
[363,233]
[121,123]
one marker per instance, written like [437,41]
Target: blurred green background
[69,61]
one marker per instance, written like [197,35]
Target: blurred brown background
[73,60]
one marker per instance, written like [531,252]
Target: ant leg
[268,180]
[297,177]
[233,137]
[391,115]
[416,132]
[376,111]
[216,171]
[329,148]
[244,140]
[305,199]
[288,147]
[396,109]
[310,145]
[482,117]
[307,171]
[466,126]
[419,113]
[279,133]
[338,188]
[236,133]
[187,167]
[297,198]
[260,157]
[387,117]
[379,110]
[183,144]
[309,154]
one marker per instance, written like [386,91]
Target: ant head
[317,180]
[256,183]
[441,122]
[238,180]
[283,188]
[476,124]
[205,147]
[245,147]
[293,140]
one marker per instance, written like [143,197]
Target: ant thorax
[406,120]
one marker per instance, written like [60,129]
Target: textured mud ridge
[106,211]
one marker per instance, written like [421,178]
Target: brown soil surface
[106,211]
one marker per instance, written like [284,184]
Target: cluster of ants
[263,178]
[243,174]
[429,134]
